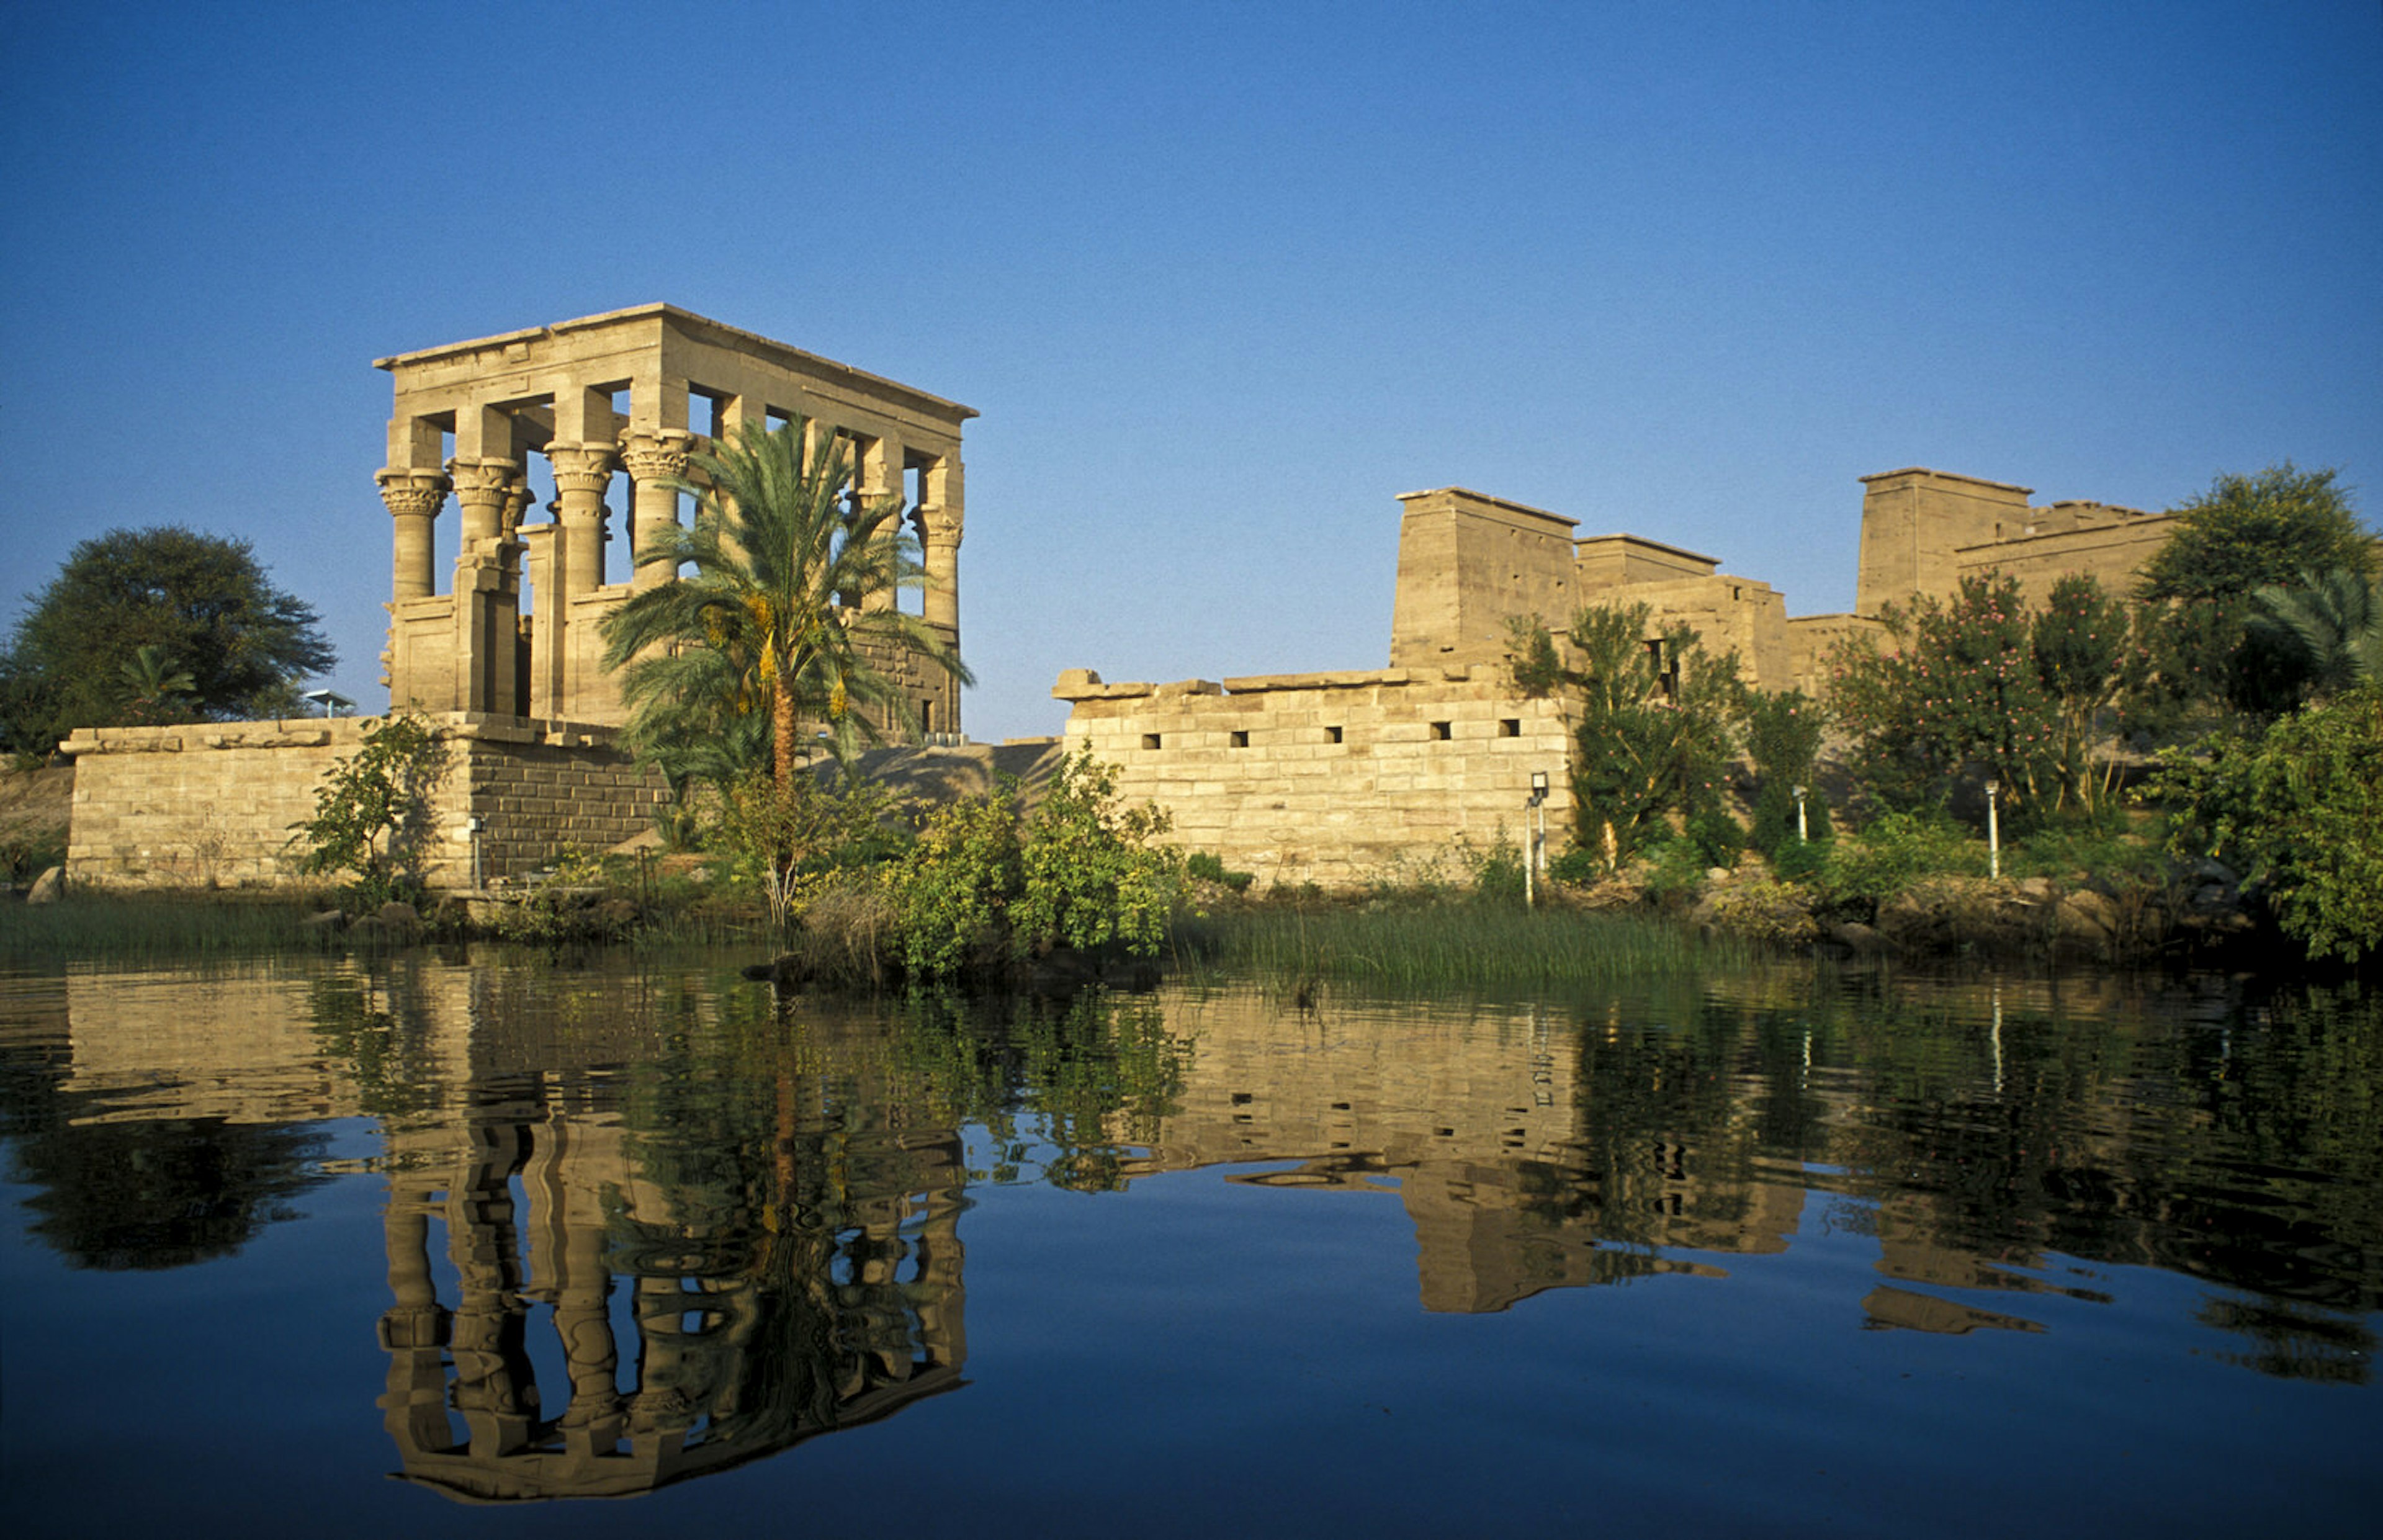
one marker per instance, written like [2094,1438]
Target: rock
[368,931]
[324,922]
[49,887]
[1717,874]
[1859,939]
[399,916]
[2087,917]
[2036,888]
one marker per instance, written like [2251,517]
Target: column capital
[422,493]
[582,467]
[655,454]
[939,524]
[482,479]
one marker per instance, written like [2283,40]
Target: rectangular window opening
[1331,734]
[1150,740]
[1509,727]
[1439,731]
[1241,738]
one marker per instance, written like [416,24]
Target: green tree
[200,600]
[1954,688]
[2094,673]
[373,813]
[2294,808]
[2244,534]
[780,614]
[1651,718]
[1783,739]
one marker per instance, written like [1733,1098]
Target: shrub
[1092,877]
[1895,850]
[1209,868]
[1717,838]
[373,815]
[1577,867]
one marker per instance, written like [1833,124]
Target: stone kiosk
[506,657]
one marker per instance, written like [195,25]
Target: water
[1770,1254]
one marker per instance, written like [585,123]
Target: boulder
[398,915]
[324,922]
[49,887]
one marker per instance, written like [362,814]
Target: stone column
[656,459]
[482,485]
[414,499]
[581,473]
[877,477]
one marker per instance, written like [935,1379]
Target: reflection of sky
[1225,1330]
[1224,280]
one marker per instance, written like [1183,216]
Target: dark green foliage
[2295,808]
[221,642]
[1783,739]
[2243,535]
[1577,867]
[1717,838]
[1651,715]
[1988,688]
[2329,622]
[984,886]
[2248,532]
[1210,868]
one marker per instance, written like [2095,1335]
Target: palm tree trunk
[782,731]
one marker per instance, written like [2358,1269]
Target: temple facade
[608,411]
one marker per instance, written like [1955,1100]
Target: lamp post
[1803,832]
[1993,832]
[1535,827]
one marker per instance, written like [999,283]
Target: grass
[1448,945]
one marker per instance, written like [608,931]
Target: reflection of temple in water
[692,1335]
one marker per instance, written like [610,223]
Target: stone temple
[614,404]
[495,621]
[495,626]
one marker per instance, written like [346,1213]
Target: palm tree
[2332,621]
[152,681]
[787,556]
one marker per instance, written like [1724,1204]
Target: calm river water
[1766,1254]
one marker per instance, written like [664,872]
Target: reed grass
[141,927]
[1449,946]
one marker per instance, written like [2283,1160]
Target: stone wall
[216,804]
[1327,778]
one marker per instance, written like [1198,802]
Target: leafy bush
[1896,849]
[1577,867]
[373,814]
[952,894]
[1092,876]
[1717,839]
[2295,808]
[1210,868]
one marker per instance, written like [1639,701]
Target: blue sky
[1223,280]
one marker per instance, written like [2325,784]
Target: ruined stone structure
[214,804]
[505,658]
[1326,778]
[626,398]
[1330,777]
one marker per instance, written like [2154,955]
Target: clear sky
[1222,279]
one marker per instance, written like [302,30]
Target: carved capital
[483,483]
[582,467]
[939,525]
[517,496]
[416,492]
[655,454]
